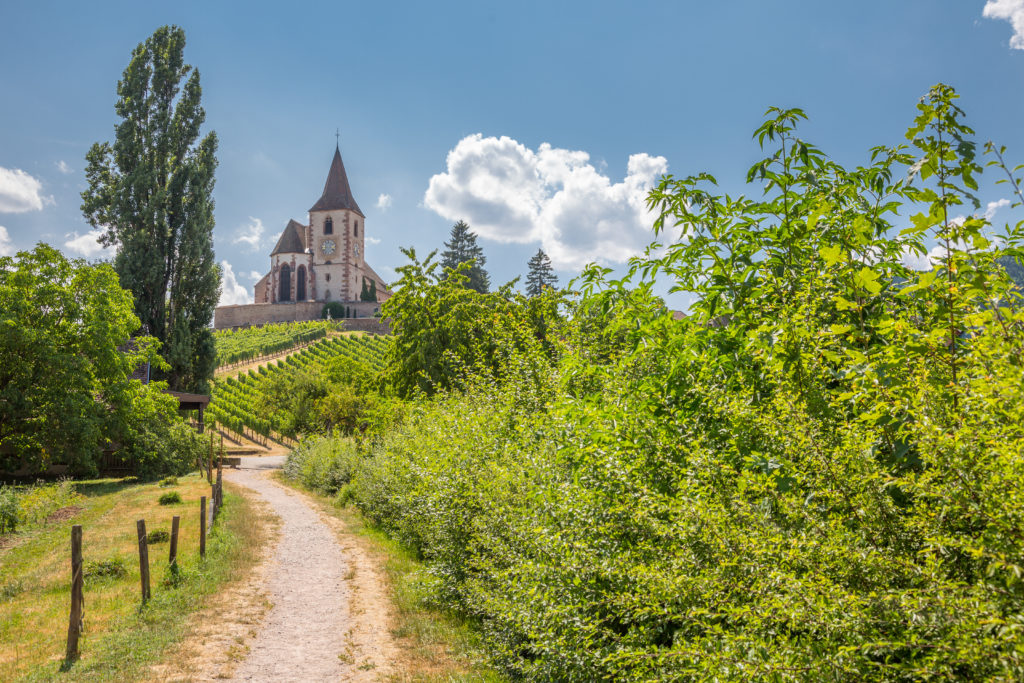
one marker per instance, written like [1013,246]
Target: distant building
[314,263]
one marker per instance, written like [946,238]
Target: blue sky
[540,123]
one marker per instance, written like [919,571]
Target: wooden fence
[207,516]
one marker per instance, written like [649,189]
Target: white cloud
[6,248]
[19,192]
[384,202]
[63,167]
[510,193]
[88,245]
[1013,12]
[993,207]
[372,240]
[231,292]
[250,234]
[255,275]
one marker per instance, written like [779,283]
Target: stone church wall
[245,315]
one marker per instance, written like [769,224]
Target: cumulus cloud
[6,248]
[372,240]
[384,202]
[993,207]
[63,167]
[88,244]
[19,192]
[557,197]
[255,275]
[231,292]
[1011,11]
[250,234]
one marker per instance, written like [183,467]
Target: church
[315,263]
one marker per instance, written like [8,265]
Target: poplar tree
[462,247]
[150,192]
[541,274]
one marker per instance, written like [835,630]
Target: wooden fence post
[202,527]
[173,559]
[77,599]
[143,559]
[209,463]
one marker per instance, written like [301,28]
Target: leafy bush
[8,510]
[11,589]
[111,568]
[158,535]
[334,310]
[170,498]
[815,476]
[168,482]
[323,464]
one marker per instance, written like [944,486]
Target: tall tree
[541,274]
[150,191]
[461,247]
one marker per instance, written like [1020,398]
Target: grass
[122,638]
[437,646]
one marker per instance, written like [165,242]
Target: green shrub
[8,510]
[323,464]
[168,481]
[157,536]
[170,498]
[335,309]
[11,589]
[817,475]
[111,568]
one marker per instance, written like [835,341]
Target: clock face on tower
[327,246]
[356,250]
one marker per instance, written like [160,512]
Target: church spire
[337,193]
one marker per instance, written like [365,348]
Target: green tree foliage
[460,248]
[151,192]
[816,475]
[540,275]
[369,292]
[334,310]
[444,330]
[66,391]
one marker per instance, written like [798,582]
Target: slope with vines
[237,402]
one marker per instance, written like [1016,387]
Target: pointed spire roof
[292,240]
[337,194]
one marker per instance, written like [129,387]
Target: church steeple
[337,193]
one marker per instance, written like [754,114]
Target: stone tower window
[355,229]
[328,226]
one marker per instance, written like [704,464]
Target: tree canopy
[151,193]
[540,275]
[66,391]
[460,248]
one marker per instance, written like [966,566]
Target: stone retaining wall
[248,315]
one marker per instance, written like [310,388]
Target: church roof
[293,239]
[337,194]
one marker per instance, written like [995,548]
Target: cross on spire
[337,137]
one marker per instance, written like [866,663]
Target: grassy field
[121,638]
[436,647]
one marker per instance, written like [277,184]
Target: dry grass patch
[120,635]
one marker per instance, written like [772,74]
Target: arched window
[285,276]
[328,226]
[355,229]
[300,283]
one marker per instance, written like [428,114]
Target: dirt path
[318,627]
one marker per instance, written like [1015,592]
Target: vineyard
[236,347]
[237,402]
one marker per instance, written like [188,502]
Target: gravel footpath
[303,637]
